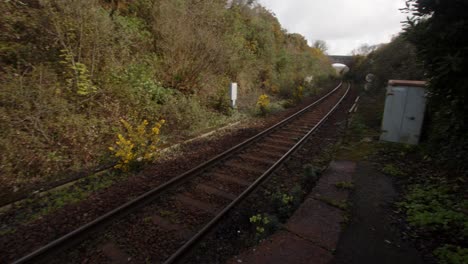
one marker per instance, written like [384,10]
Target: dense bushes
[432,47]
[70,70]
[435,208]
[438,31]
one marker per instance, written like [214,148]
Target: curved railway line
[199,198]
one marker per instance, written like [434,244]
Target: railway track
[182,211]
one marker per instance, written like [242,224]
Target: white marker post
[233,94]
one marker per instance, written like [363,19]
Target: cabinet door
[413,117]
[394,111]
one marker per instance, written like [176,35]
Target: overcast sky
[343,24]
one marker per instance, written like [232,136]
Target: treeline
[438,31]
[394,60]
[432,47]
[70,70]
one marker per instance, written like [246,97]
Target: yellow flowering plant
[140,144]
[263,104]
[299,93]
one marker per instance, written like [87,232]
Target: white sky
[343,24]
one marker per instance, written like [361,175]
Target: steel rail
[75,235]
[192,242]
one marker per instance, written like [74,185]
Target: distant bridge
[347,60]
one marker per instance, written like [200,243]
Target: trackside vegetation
[78,76]
[439,204]
[433,175]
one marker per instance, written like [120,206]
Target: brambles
[141,144]
[263,104]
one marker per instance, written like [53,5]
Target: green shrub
[298,194]
[284,204]
[264,225]
[221,102]
[288,103]
[187,115]
[77,75]
[449,254]
[310,176]
[358,127]
[436,208]
[139,79]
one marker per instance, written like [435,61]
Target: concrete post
[233,94]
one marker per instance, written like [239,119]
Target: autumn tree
[321,45]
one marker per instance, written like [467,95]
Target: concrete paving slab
[343,166]
[317,222]
[284,247]
[338,172]
[312,233]
[371,235]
